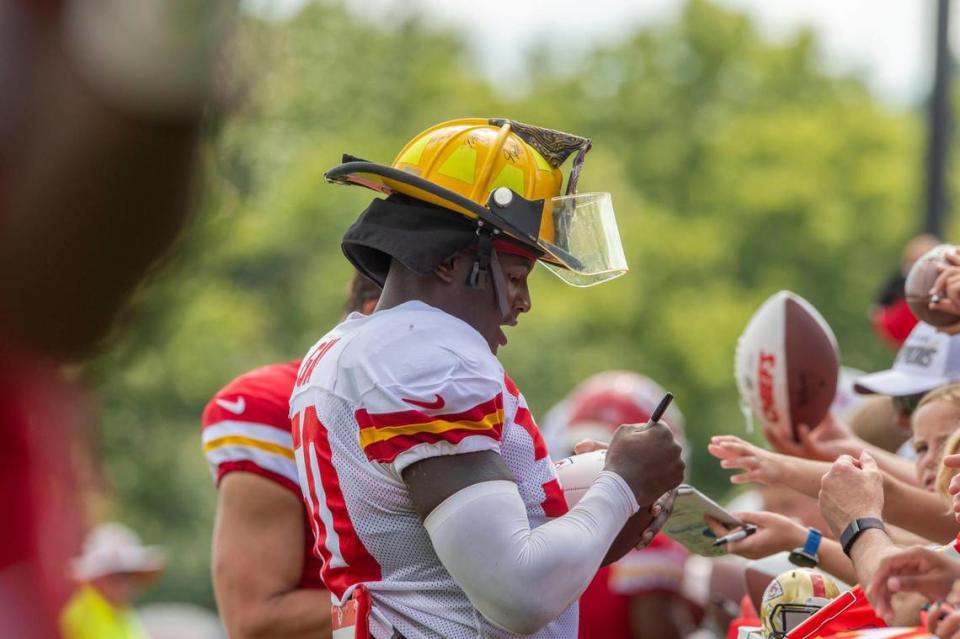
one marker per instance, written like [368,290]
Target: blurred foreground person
[114,570]
[100,110]
[435,504]
[265,574]
[639,596]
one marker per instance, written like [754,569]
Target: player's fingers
[952,256]
[668,501]
[952,461]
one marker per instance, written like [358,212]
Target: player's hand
[759,465]
[915,569]
[648,458]
[775,533]
[850,490]
[661,510]
[830,439]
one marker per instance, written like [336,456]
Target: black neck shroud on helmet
[418,235]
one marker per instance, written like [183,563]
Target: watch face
[798,558]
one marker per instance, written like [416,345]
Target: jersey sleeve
[430,401]
[245,433]
[657,568]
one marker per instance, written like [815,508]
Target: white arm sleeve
[521,579]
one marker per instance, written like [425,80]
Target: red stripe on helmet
[506,246]
[819,587]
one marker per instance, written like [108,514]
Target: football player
[435,504]
[266,577]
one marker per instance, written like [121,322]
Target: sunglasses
[906,404]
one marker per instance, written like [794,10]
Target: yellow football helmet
[792,597]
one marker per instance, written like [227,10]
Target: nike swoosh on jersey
[236,407]
[436,404]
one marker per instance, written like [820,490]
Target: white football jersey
[375,395]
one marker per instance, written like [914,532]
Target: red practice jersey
[605,605]
[246,428]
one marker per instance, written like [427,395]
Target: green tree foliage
[738,168]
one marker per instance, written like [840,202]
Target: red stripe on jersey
[524,418]
[555,505]
[386,451]
[360,564]
[311,498]
[413,417]
[247,466]
[511,387]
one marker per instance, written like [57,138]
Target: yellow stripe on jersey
[237,440]
[370,436]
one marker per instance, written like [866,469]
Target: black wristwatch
[806,556]
[856,527]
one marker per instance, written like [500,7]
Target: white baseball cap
[112,549]
[928,359]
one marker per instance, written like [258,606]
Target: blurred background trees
[738,168]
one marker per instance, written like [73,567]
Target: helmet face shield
[579,232]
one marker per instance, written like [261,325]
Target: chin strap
[480,272]
[486,268]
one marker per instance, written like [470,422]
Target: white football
[578,472]
[787,364]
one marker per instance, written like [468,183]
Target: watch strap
[812,544]
[855,529]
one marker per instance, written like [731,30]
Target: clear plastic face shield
[578,231]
